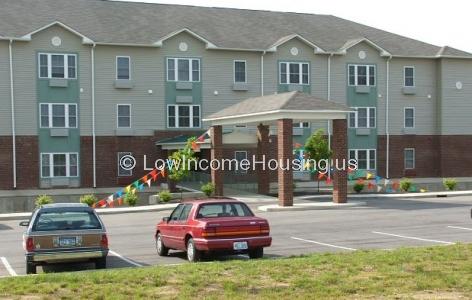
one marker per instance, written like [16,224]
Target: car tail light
[265,228]
[29,244]
[209,232]
[104,241]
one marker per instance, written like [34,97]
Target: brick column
[339,147]
[285,151]
[216,133]
[263,180]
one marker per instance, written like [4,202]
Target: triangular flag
[144,178]
[377,179]
[395,185]
[379,188]
[120,201]
[386,182]
[153,172]
[119,194]
[413,189]
[328,180]
[110,199]
[141,187]
[195,146]
[369,175]
[128,188]
[423,190]
[370,186]
[111,204]
[133,191]
[163,172]
[136,183]
[321,176]
[148,182]
[102,203]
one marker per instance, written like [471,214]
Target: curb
[401,195]
[309,206]
[100,211]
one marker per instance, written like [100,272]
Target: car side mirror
[24,223]
[165,219]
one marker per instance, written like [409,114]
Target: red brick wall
[6,163]
[456,155]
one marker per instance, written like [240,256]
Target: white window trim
[234,70]
[240,171]
[300,125]
[367,74]
[191,115]
[66,65]
[129,66]
[176,69]
[117,115]
[404,76]
[368,118]
[369,167]
[66,112]
[404,158]
[300,72]
[51,164]
[404,117]
[118,162]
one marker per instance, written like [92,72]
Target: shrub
[165,196]
[405,184]
[358,187]
[43,200]
[450,184]
[90,200]
[131,199]
[208,189]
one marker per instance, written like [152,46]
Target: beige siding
[25,75]
[5,115]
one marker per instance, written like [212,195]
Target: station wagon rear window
[77,220]
[215,210]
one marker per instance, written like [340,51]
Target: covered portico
[281,110]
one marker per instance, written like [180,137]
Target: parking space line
[8,266]
[413,238]
[124,258]
[457,227]
[322,244]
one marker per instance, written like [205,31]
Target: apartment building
[84,82]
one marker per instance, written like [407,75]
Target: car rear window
[77,220]
[215,210]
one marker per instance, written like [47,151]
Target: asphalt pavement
[383,223]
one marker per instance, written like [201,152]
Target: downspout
[12,103]
[262,73]
[387,130]
[329,98]
[94,162]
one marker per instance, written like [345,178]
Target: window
[183,116]
[56,115]
[123,66]
[52,65]
[240,71]
[215,210]
[409,76]
[175,215]
[240,156]
[66,220]
[183,69]
[185,212]
[294,73]
[124,116]
[363,117]
[409,158]
[366,158]
[59,165]
[362,75]
[409,114]
[121,171]
[301,125]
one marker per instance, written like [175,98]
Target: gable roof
[131,23]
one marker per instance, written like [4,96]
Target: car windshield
[76,220]
[215,210]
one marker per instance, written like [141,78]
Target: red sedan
[213,225]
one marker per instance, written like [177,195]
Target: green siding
[172,92]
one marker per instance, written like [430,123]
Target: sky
[439,23]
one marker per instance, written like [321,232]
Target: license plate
[67,241]
[240,245]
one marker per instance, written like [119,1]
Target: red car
[213,225]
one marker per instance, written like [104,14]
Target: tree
[317,148]
[183,160]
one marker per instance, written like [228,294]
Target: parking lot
[381,224]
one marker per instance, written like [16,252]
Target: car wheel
[101,263]
[162,250]
[30,268]
[256,253]
[193,255]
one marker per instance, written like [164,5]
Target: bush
[90,200]
[450,184]
[358,187]
[165,196]
[405,184]
[131,199]
[208,189]
[43,200]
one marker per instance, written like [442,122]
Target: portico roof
[299,107]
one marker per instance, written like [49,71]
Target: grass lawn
[443,272]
